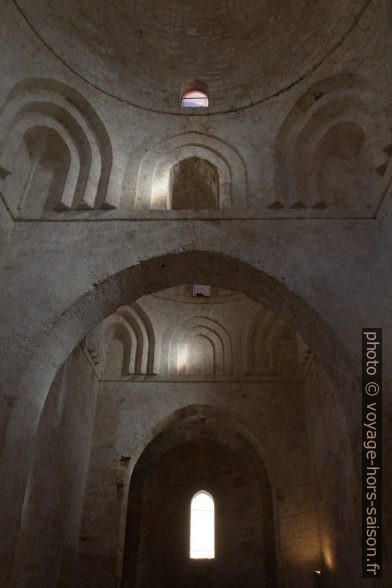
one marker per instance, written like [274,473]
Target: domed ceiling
[142,51]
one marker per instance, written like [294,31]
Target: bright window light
[194,99]
[202,526]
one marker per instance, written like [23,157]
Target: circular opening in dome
[194,99]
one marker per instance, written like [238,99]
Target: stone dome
[142,51]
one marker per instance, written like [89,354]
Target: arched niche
[38,104]
[201,346]
[154,173]
[332,149]
[284,351]
[196,357]
[342,171]
[123,344]
[200,448]
[273,346]
[117,361]
[44,164]
[194,184]
[41,166]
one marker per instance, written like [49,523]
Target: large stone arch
[127,286]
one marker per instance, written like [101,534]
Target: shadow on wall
[194,184]
[200,449]
[333,148]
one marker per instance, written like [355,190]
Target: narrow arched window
[202,540]
[194,99]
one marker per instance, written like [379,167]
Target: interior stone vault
[183,290]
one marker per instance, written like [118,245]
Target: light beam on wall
[182,359]
[160,189]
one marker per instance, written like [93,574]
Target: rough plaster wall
[52,509]
[342,168]
[302,255]
[338,267]
[129,414]
[6,224]
[344,306]
[252,133]
[162,559]
[47,170]
[5,410]
[144,51]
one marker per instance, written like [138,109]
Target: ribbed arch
[119,362]
[70,113]
[343,99]
[153,182]
[213,332]
[130,325]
